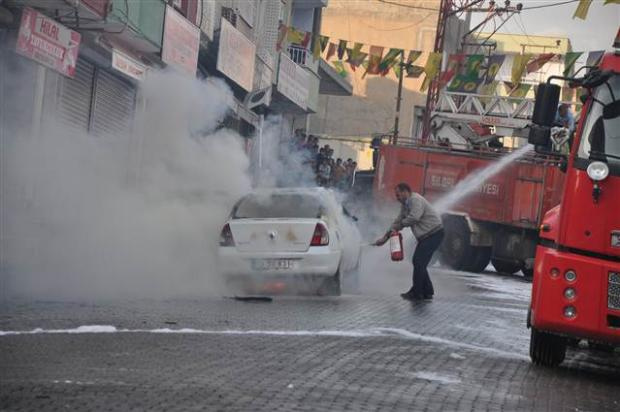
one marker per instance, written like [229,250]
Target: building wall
[371,109]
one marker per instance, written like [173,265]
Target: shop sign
[236,56]
[127,65]
[48,42]
[293,81]
[181,42]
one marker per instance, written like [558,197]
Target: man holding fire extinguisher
[425,223]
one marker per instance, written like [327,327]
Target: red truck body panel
[519,195]
[578,237]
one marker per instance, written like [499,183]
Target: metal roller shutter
[113,105]
[75,96]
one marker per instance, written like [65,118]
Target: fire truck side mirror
[546,104]
[545,109]
[539,136]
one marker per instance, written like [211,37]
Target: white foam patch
[454,355]
[435,377]
[366,333]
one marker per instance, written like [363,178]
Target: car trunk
[267,235]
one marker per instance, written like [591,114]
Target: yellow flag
[518,66]
[433,64]
[582,9]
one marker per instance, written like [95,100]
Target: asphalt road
[465,350]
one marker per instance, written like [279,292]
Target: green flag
[339,66]
[389,60]
[519,64]
[433,64]
[582,9]
[356,55]
[569,61]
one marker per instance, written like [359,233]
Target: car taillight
[320,236]
[226,237]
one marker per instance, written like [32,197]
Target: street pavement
[465,350]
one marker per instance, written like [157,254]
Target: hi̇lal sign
[48,42]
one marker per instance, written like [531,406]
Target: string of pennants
[465,73]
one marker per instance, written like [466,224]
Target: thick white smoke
[135,216]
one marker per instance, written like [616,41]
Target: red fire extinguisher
[396,246]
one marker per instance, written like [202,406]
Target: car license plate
[272,264]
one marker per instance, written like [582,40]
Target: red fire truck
[576,286]
[499,220]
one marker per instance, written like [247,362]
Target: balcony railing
[303,57]
[298,54]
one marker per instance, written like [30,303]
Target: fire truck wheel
[455,251]
[503,266]
[480,261]
[547,349]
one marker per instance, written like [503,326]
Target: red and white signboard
[125,64]
[181,42]
[48,42]
[236,57]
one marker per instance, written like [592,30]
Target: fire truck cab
[576,284]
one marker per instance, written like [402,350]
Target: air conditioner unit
[260,97]
[230,15]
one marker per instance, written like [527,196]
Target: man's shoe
[428,297]
[410,296]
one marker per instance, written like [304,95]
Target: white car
[290,240]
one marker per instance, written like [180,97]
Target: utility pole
[446,10]
[399,97]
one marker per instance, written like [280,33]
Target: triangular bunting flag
[374,60]
[582,9]
[433,64]
[339,66]
[356,56]
[518,66]
[494,64]
[413,56]
[569,61]
[617,40]
[594,58]
[455,61]
[342,47]
[413,72]
[538,62]
[316,47]
[389,60]
[517,90]
[295,36]
[323,40]
[331,51]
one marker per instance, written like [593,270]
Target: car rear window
[278,205]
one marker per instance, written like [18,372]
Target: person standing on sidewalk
[425,223]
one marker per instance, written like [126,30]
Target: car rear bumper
[320,261]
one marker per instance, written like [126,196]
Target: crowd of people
[327,170]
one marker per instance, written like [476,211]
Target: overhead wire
[561,3]
[409,6]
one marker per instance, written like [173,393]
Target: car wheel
[331,286]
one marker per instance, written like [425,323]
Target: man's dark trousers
[422,285]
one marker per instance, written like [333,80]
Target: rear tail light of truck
[226,237]
[570,312]
[320,236]
[570,276]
